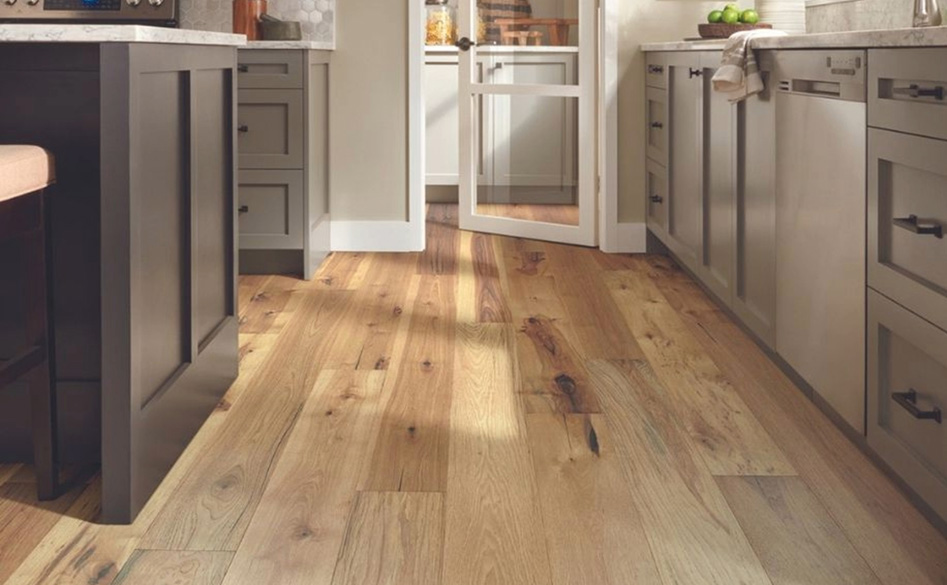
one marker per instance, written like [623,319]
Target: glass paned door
[527,118]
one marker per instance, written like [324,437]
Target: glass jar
[440,23]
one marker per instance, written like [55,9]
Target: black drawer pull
[912,224]
[243,128]
[692,73]
[243,68]
[908,401]
[655,69]
[915,91]
[658,125]
[656,199]
[244,209]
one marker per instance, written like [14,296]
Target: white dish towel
[739,74]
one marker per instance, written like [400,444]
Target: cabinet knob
[692,73]
[244,209]
[243,68]
[655,69]
[657,125]
[656,199]
[243,128]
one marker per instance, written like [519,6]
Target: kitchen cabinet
[685,151]
[282,129]
[516,134]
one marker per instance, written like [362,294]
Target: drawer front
[657,125]
[270,129]
[269,69]
[271,210]
[656,71]
[907,90]
[657,193]
[907,354]
[907,198]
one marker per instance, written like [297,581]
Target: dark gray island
[140,121]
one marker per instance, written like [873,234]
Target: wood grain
[443,238]
[265,305]
[731,440]
[592,525]
[216,502]
[552,373]
[792,533]
[393,539]
[340,271]
[491,302]
[297,531]
[161,567]
[411,453]
[492,513]
[899,545]
[693,534]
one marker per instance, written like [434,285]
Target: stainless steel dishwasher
[821,143]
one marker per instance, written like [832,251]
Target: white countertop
[307,45]
[114,33]
[496,49]
[904,37]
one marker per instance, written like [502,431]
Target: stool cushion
[24,169]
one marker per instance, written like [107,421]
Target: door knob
[464,44]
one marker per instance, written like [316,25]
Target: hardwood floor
[492,411]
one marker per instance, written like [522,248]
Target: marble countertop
[114,33]
[310,45]
[904,37]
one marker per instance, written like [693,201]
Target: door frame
[607,125]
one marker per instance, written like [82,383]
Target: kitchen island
[140,121]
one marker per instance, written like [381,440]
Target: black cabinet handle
[464,44]
[243,128]
[655,69]
[656,199]
[657,125]
[908,401]
[692,73]
[244,209]
[913,225]
[243,68]
[915,91]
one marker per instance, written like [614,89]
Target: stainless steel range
[153,12]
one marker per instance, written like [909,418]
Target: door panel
[684,221]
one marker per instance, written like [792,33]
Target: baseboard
[632,238]
[376,236]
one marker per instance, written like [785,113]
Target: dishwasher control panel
[829,74]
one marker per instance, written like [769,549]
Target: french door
[527,118]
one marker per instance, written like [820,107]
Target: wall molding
[376,236]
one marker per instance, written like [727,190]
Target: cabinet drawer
[270,129]
[905,354]
[907,177]
[657,193]
[908,90]
[271,210]
[269,69]
[656,71]
[657,125]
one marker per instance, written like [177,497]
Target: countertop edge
[115,33]
[868,39]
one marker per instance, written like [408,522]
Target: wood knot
[398,310]
[566,384]
[412,430]
[329,413]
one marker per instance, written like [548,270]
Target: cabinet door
[271,210]
[684,191]
[754,291]
[716,253]
[270,129]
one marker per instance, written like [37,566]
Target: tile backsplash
[860,15]
[317,16]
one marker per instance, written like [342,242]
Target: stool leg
[42,394]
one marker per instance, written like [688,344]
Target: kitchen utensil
[246,18]
[927,13]
[275,29]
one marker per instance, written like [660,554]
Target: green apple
[749,17]
[715,16]
[730,16]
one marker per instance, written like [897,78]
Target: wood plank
[25,521]
[898,543]
[526,257]
[393,539]
[466,281]
[411,453]
[792,533]
[161,567]
[600,330]
[492,511]
[731,440]
[215,503]
[491,302]
[298,528]
[693,534]
[443,239]
[247,286]
[340,271]
[265,305]
[552,373]
[591,520]
[8,470]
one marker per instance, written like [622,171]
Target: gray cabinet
[685,104]
[282,129]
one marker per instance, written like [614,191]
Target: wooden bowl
[723,31]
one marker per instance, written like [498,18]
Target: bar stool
[25,173]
